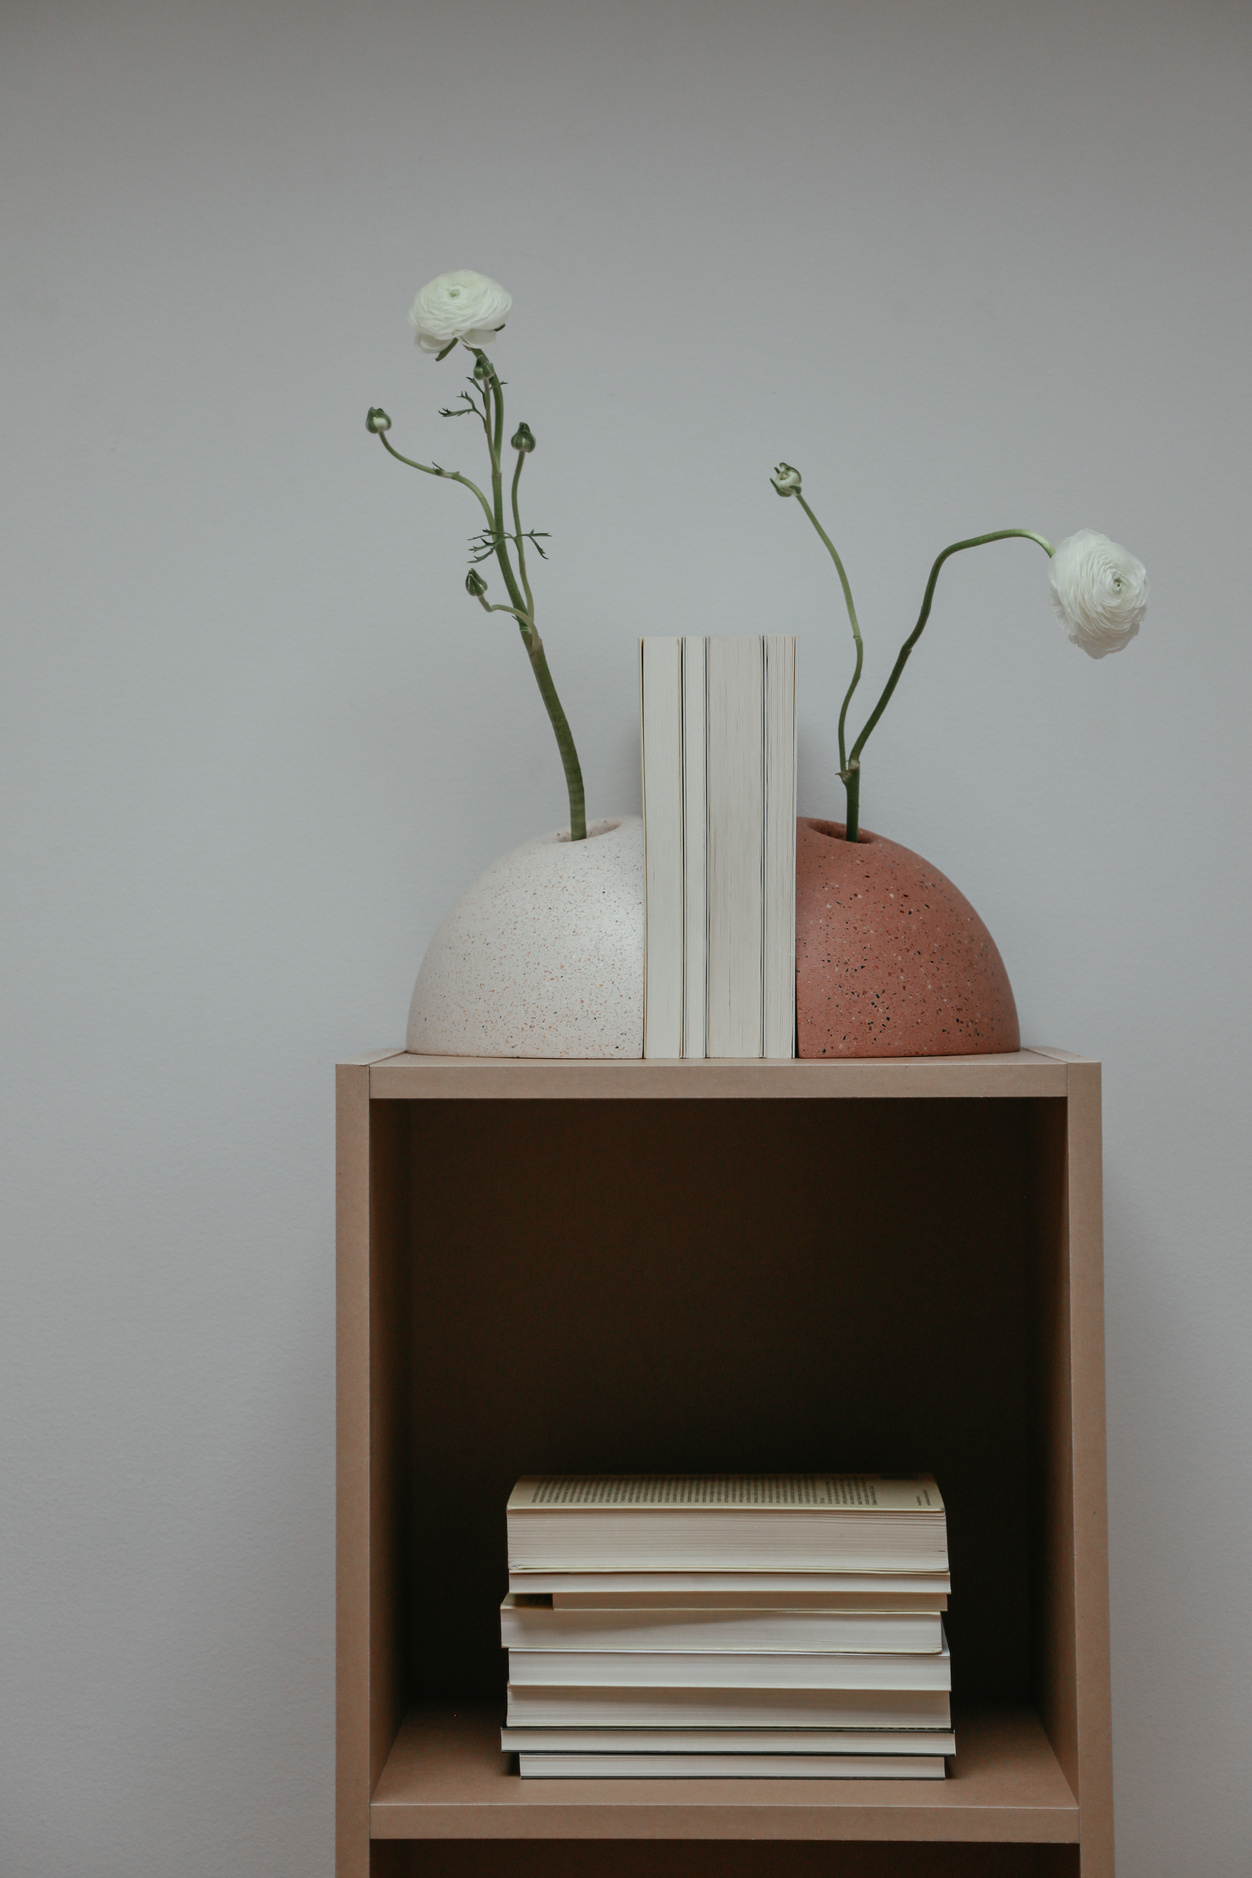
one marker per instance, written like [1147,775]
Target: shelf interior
[709,1286]
[722,1286]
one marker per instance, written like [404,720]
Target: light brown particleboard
[1024,1073]
[353,1514]
[398,1231]
[1090,1517]
[446,1778]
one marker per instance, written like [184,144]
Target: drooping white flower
[464,305]
[1099,592]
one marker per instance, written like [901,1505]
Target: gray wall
[969,267]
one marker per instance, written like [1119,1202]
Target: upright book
[695,848]
[735,766]
[779,1016]
[718,742]
[661,742]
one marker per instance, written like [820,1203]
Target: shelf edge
[1023,1074]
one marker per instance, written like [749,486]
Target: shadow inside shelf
[633,1287]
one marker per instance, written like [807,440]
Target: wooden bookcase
[628,1267]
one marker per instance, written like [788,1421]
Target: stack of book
[718,732]
[748,1624]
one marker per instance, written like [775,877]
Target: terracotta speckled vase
[890,959]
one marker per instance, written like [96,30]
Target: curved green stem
[523,619]
[526,626]
[433,469]
[833,552]
[975,541]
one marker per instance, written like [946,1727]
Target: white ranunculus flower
[1099,592]
[464,305]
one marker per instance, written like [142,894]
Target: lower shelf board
[447,1779]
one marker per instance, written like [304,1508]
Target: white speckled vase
[543,955]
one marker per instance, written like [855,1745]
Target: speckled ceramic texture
[890,959]
[543,955]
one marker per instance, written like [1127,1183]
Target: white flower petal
[1099,592]
[462,305]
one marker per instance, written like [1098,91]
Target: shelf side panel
[1071,1546]
[1055,1659]
[370,1188]
[1090,1517]
[353,1784]
[390,1177]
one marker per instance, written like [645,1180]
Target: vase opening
[838,831]
[605,827]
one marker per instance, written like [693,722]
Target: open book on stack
[718,734]
[702,1625]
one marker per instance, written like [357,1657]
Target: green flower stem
[526,624]
[852,779]
[517,526]
[495,397]
[530,632]
[856,630]
[852,790]
[433,469]
[484,417]
[497,448]
[564,736]
[564,742]
[975,541]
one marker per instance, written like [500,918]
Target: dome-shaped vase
[543,955]
[891,959]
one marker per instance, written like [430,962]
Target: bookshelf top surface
[446,1778]
[1036,1072]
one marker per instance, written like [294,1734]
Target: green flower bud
[523,438]
[786,480]
[482,367]
[475,585]
[377,420]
